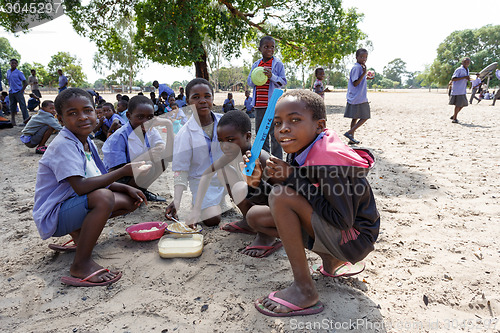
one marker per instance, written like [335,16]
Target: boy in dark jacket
[324,202]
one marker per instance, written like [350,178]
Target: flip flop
[41,149]
[77,282]
[345,270]
[269,249]
[296,310]
[237,229]
[63,248]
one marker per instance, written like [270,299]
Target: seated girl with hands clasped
[324,203]
[74,195]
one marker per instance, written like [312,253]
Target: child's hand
[254,179]
[171,211]
[138,195]
[268,72]
[136,168]
[277,169]
[194,217]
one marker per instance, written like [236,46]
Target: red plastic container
[146,236]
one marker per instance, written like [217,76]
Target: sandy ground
[435,267]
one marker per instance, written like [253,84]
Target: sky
[410,30]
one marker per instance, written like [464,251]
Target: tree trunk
[202,67]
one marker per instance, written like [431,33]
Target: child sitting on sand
[196,146]
[324,202]
[74,195]
[111,121]
[138,140]
[39,128]
[234,131]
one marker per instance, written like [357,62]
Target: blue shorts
[71,215]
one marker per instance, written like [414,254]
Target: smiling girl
[74,195]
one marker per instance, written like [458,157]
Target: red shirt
[262,92]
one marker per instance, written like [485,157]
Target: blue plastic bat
[267,121]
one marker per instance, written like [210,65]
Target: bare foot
[82,270]
[303,297]
[260,240]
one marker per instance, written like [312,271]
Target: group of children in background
[295,204]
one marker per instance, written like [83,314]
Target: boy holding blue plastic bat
[323,201]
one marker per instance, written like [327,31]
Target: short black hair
[318,70]
[67,94]
[122,102]
[140,93]
[13,59]
[125,98]
[4,93]
[360,51]
[118,95]
[313,102]
[195,82]
[110,105]
[265,38]
[139,100]
[239,119]
[46,103]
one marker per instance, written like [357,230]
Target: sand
[435,267]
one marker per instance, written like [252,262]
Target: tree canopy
[395,69]
[7,52]
[481,45]
[173,32]
[70,66]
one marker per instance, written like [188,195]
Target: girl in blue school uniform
[74,195]
[196,147]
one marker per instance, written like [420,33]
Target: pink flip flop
[237,229]
[268,249]
[77,282]
[63,248]
[296,310]
[344,270]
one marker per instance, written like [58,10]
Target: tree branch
[235,12]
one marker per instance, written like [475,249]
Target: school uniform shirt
[459,87]
[109,122]
[123,115]
[63,80]
[476,83]
[124,146]
[277,80]
[39,120]
[356,95]
[194,151]
[164,87]
[15,78]
[319,83]
[181,102]
[248,104]
[65,157]
[497,73]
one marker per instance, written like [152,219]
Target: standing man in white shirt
[33,82]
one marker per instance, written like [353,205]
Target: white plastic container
[180,246]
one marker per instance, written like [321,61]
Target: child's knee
[280,194]
[102,198]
